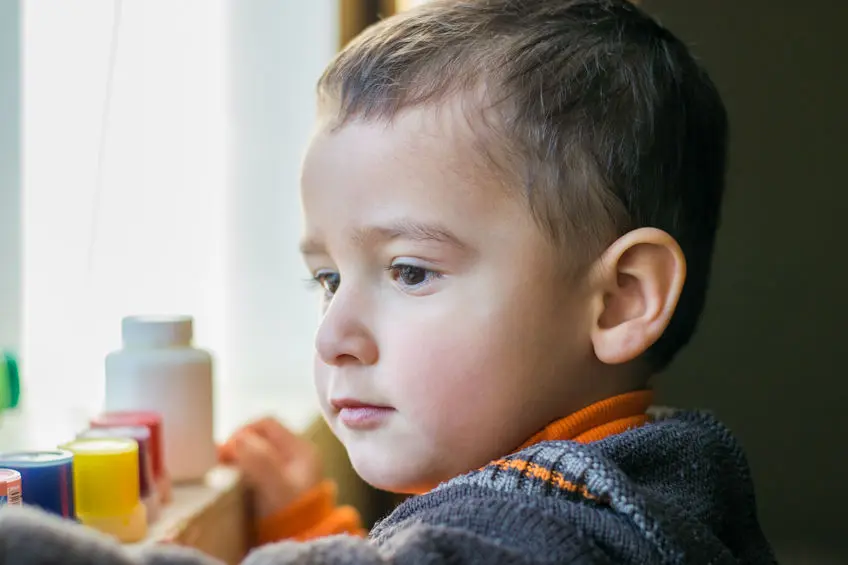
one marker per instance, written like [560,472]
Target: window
[161,145]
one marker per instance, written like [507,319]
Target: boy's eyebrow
[409,229]
[311,246]
[400,229]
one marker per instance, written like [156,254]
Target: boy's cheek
[430,366]
[433,370]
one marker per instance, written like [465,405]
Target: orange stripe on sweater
[595,422]
[538,472]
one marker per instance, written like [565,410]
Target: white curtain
[162,142]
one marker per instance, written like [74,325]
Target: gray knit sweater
[674,491]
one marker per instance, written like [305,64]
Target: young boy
[510,207]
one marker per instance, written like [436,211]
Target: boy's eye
[329,281]
[412,276]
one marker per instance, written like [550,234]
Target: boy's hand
[277,464]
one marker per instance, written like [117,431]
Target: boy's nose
[343,338]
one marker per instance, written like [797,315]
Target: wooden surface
[212,517]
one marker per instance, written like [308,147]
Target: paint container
[106,487]
[153,422]
[146,484]
[47,478]
[10,488]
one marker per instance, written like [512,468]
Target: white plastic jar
[159,369]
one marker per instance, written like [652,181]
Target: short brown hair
[614,124]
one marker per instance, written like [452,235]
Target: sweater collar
[602,419]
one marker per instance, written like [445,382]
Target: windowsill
[212,517]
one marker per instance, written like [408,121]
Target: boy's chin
[394,473]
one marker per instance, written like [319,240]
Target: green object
[10,382]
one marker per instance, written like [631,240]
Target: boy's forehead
[439,139]
[420,166]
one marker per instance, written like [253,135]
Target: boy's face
[450,334]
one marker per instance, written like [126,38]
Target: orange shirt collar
[599,420]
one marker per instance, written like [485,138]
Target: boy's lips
[358,415]
[341,403]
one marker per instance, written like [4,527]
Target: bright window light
[124,167]
[162,142]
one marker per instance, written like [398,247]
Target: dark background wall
[769,355]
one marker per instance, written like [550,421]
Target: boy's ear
[636,285]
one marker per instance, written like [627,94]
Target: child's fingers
[226,453]
[257,460]
[288,445]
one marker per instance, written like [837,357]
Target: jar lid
[34,459]
[138,433]
[157,331]
[8,476]
[10,488]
